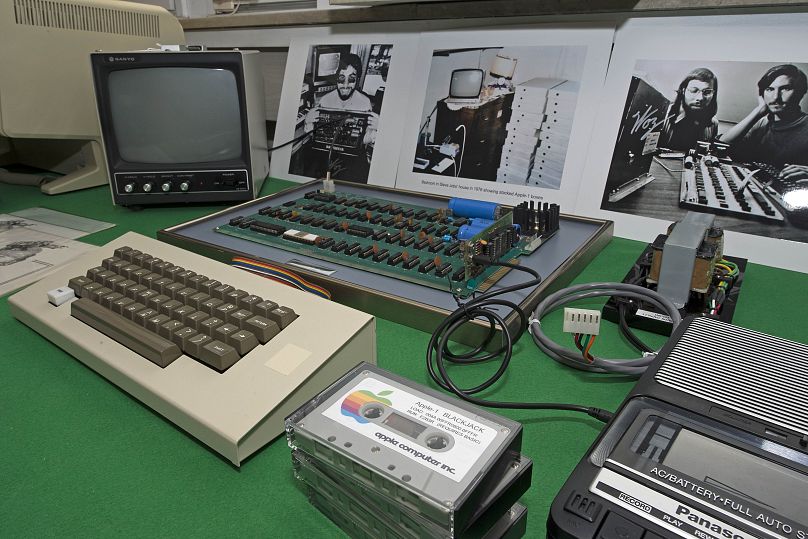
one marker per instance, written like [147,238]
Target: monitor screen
[327,64]
[175,114]
[466,83]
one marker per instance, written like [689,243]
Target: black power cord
[481,307]
[628,333]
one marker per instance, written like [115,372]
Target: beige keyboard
[222,353]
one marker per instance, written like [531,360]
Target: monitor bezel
[104,64]
[451,78]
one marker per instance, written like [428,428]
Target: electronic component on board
[415,462]
[458,233]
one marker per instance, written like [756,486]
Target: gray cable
[573,358]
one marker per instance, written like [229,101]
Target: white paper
[29,249]
[738,54]
[387,144]
[577,54]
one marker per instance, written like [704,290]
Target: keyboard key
[208,286]
[89,290]
[185,293]
[242,341]
[264,308]
[209,325]
[193,346]
[235,295]
[92,272]
[149,345]
[153,324]
[160,284]
[221,291]
[224,331]
[133,291]
[132,309]
[283,316]
[107,262]
[144,296]
[194,320]
[107,300]
[181,312]
[129,271]
[224,311]
[263,328]
[198,299]
[156,301]
[130,254]
[168,328]
[248,302]
[169,307]
[173,289]
[76,283]
[180,337]
[143,316]
[218,355]
[239,317]
[196,281]
[121,250]
[210,305]
[112,280]
[121,286]
[120,304]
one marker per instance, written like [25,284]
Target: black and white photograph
[504,114]
[500,114]
[705,118]
[341,98]
[728,138]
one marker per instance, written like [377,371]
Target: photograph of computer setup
[499,113]
[446,335]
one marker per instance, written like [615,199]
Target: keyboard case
[236,412]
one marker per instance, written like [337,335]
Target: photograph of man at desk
[741,152]
[499,114]
[340,104]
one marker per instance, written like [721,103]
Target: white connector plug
[328,183]
[586,321]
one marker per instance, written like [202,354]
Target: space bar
[149,345]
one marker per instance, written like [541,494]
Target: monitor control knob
[147,187]
[184,186]
[166,187]
[129,187]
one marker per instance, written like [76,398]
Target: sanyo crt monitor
[48,119]
[182,126]
[466,83]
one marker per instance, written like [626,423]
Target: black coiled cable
[480,307]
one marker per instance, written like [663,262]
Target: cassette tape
[332,484]
[361,523]
[432,454]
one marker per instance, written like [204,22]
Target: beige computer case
[47,104]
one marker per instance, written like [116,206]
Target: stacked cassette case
[384,457]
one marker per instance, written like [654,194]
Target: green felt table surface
[79,457]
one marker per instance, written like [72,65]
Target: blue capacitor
[466,232]
[464,207]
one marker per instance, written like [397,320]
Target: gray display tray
[558,261]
